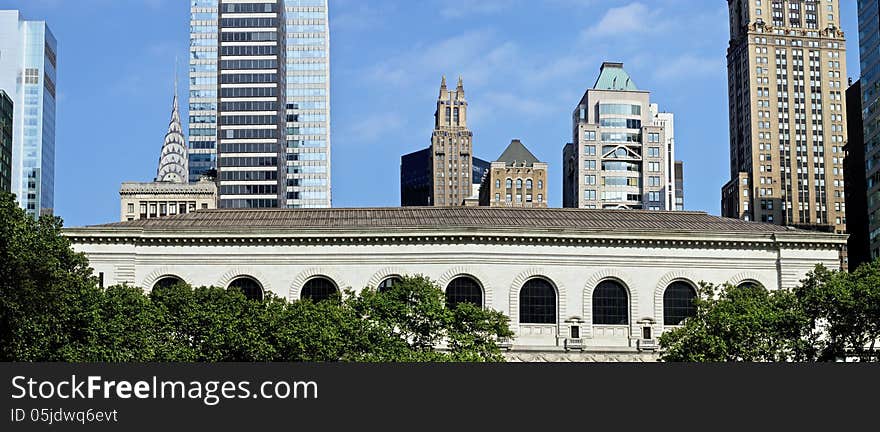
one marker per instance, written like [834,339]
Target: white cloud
[630,19]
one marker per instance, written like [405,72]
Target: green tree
[410,320]
[748,324]
[48,299]
[844,309]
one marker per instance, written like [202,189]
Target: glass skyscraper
[28,64]
[260,101]
[869,51]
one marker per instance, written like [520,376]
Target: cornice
[281,237]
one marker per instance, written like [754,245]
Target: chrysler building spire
[174,159]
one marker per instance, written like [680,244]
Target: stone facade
[501,250]
[516,179]
[443,174]
[160,199]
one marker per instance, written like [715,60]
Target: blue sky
[525,66]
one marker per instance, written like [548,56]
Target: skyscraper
[442,175]
[786,82]
[260,101]
[869,50]
[858,247]
[170,193]
[6,112]
[28,65]
[623,147]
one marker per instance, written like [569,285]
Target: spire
[443,89]
[176,66]
[460,84]
[173,163]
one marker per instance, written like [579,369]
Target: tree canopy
[831,316]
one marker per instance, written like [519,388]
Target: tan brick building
[787,74]
[516,179]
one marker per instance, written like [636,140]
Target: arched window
[749,284]
[540,184]
[610,304]
[519,183]
[498,184]
[510,183]
[248,286]
[464,290]
[388,283]
[537,302]
[529,184]
[167,282]
[319,289]
[678,303]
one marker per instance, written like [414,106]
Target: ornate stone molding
[662,284]
[306,275]
[160,273]
[474,273]
[582,357]
[594,281]
[516,286]
[135,236]
[748,276]
[237,272]
[383,274]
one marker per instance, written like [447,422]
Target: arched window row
[538,297]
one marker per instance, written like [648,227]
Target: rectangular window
[130,208]
[590,136]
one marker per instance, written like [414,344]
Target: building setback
[516,179]
[787,77]
[623,149]
[868,126]
[443,175]
[6,117]
[28,74]
[577,284]
[260,101]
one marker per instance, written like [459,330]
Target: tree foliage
[51,309]
[738,324]
[831,316]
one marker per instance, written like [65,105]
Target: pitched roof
[516,153]
[434,218]
[613,77]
